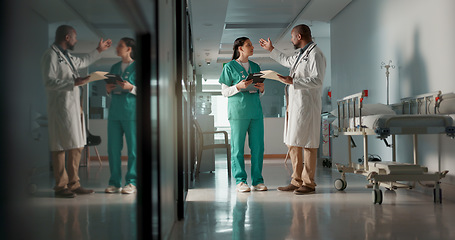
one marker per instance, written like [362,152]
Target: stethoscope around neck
[304,58]
[307,54]
[62,58]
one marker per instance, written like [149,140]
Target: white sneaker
[243,187]
[260,187]
[130,188]
[113,189]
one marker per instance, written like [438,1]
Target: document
[259,78]
[98,75]
[269,74]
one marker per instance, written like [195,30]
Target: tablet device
[112,78]
[256,77]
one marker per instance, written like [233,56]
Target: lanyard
[244,76]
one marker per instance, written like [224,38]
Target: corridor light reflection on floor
[327,214]
[95,216]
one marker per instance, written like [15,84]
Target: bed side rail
[350,107]
[421,104]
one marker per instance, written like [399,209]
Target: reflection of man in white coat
[303,94]
[66,121]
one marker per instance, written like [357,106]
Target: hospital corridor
[216,211]
[227,119]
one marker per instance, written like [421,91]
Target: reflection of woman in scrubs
[244,114]
[122,119]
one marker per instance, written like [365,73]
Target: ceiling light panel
[269,11]
[228,26]
[254,35]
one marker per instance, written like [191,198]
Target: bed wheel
[340,184]
[377,196]
[437,195]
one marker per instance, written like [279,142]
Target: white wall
[324,45]
[273,137]
[418,37]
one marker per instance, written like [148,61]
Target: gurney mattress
[404,124]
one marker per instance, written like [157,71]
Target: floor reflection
[67,223]
[304,219]
[216,211]
[238,213]
[255,216]
[96,216]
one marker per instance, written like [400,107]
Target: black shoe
[65,193]
[82,191]
[304,190]
[288,188]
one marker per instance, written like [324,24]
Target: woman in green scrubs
[122,119]
[244,114]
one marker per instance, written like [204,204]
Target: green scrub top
[243,105]
[123,105]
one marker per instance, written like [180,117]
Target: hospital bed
[416,115]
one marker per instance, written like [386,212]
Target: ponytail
[238,43]
[129,42]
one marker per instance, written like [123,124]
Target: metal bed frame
[375,175]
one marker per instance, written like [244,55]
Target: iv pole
[383,65]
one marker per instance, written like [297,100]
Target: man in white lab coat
[66,122]
[303,111]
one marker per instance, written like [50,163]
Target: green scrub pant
[115,131]
[255,130]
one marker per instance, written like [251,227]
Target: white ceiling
[216,24]
[91,19]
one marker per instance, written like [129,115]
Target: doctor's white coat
[65,119]
[304,103]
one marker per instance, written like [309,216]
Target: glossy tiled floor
[216,211]
[97,216]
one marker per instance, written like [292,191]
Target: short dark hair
[129,42]
[304,31]
[61,32]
